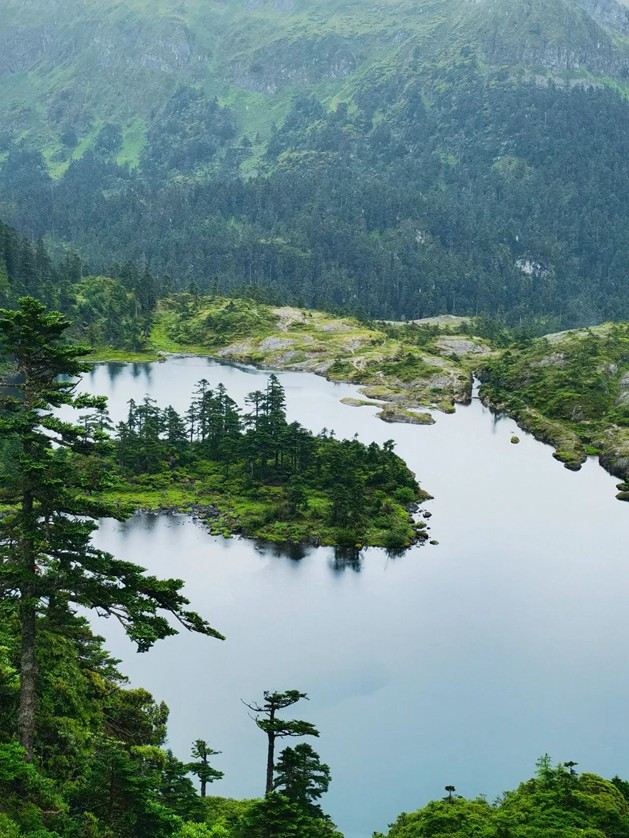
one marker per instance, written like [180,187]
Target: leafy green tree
[46,554]
[553,803]
[302,777]
[275,728]
[202,830]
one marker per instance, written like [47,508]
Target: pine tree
[46,552]
[276,728]
[302,777]
[201,766]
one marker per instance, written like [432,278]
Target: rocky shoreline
[410,371]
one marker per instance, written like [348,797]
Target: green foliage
[394,160]
[302,777]
[209,321]
[201,766]
[270,478]
[188,133]
[104,311]
[576,380]
[225,813]
[556,803]
[53,494]
[98,770]
[279,817]
[267,719]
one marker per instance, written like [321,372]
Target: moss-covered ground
[233,505]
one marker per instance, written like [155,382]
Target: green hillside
[396,159]
[557,802]
[67,70]
[571,390]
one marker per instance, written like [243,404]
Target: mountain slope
[68,68]
[395,158]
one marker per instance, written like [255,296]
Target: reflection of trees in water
[346,558]
[147,521]
[142,368]
[396,552]
[113,371]
[282,549]
[351,558]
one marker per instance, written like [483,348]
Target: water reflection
[282,549]
[139,369]
[146,521]
[459,663]
[114,371]
[346,558]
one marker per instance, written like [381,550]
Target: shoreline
[409,371]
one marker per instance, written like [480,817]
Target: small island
[258,475]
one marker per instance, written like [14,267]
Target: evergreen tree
[46,554]
[201,766]
[302,777]
[275,728]
[176,790]
[278,817]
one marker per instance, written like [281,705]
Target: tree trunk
[269,764]
[204,775]
[28,676]
[28,618]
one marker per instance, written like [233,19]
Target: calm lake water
[454,664]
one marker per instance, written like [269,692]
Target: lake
[459,663]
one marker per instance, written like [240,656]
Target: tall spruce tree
[52,493]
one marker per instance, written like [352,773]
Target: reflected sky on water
[458,664]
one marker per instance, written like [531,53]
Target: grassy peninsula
[571,390]
[416,365]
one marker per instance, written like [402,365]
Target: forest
[166,180]
[495,199]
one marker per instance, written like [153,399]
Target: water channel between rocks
[458,664]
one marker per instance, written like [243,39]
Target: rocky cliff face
[554,36]
[301,63]
[22,48]
[609,13]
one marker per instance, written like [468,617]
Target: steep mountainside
[400,158]
[68,68]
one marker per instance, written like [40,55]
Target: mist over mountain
[394,158]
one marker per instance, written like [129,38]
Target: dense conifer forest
[459,207]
